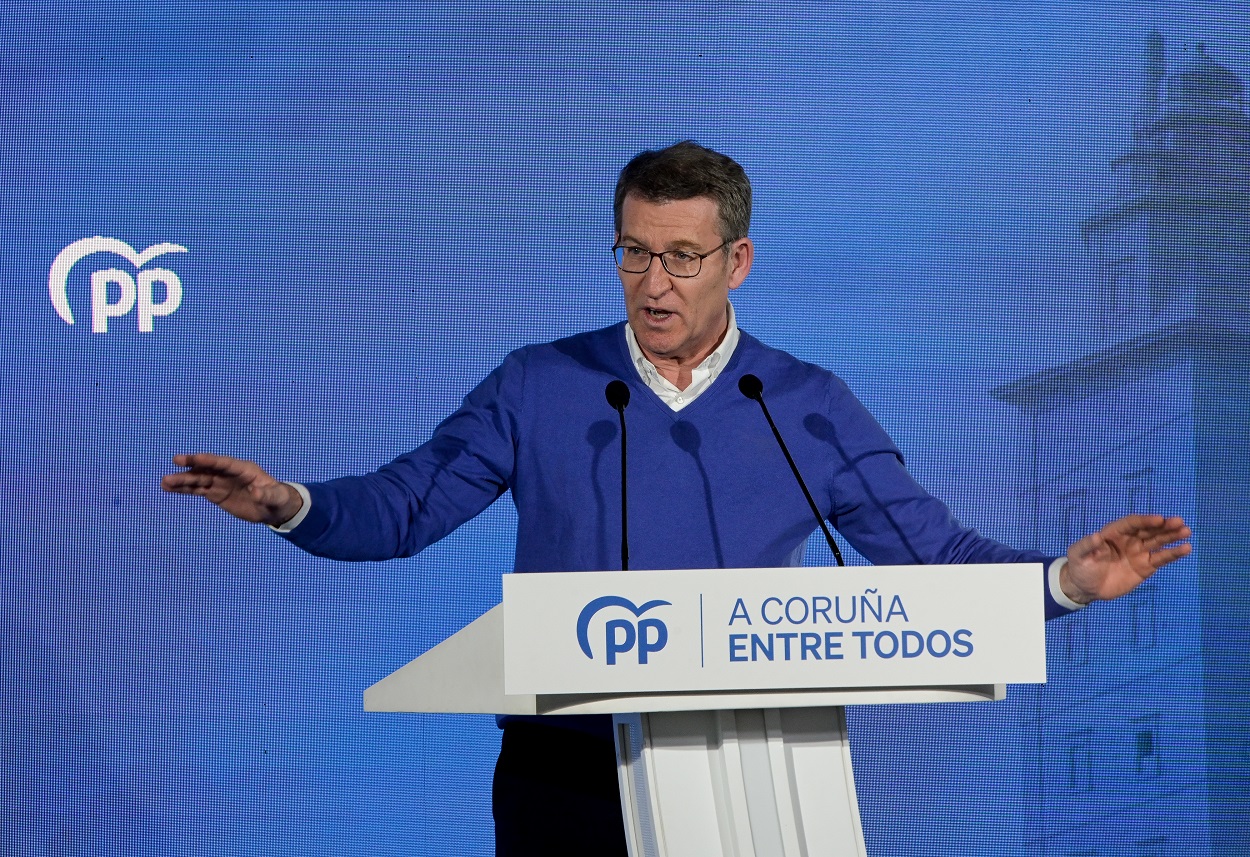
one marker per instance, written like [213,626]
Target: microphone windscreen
[617,393]
[750,386]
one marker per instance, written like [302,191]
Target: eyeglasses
[679,263]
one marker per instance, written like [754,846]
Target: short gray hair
[687,170]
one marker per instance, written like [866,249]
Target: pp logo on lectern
[645,636]
[115,292]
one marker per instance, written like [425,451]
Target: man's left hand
[1116,559]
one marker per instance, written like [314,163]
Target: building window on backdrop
[1139,490]
[1147,753]
[1081,761]
[1144,615]
[1120,299]
[1073,514]
[1076,639]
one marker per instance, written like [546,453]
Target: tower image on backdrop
[1143,734]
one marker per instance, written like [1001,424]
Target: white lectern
[727,686]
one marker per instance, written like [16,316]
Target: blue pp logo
[646,636]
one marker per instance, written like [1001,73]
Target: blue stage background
[378,201]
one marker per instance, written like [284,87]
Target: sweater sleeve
[422,495]
[889,517]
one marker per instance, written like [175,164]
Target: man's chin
[656,346]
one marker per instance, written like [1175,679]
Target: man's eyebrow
[679,244]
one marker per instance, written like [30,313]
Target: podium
[727,687]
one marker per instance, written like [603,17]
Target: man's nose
[655,280]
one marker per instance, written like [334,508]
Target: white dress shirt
[702,375]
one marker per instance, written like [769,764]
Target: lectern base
[761,783]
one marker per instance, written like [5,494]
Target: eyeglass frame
[661,254]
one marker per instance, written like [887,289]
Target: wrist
[289,508]
[301,509]
[1069,588]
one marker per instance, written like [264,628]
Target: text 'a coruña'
[828,645]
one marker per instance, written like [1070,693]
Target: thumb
[1086,546]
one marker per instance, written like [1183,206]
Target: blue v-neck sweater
[708,486]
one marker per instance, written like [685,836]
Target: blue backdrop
[373,203]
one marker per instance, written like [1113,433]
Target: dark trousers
[555,793]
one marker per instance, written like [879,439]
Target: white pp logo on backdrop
[129,291]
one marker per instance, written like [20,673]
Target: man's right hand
[240,487]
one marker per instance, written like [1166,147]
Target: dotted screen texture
[1018,231]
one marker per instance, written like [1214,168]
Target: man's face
[679,321]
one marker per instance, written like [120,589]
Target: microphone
[617,393]
[753,388]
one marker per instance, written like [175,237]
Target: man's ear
[740,258]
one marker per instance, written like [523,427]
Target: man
[708,487]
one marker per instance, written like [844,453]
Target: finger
[199,459]
[183,489]
[1133,524]
[181,481]
[1166,537]
[195,489]
[1165,525]
[1160,558]
[224,464]
[1145,526]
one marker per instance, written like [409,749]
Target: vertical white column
[747,783]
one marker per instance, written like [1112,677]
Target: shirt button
[680,400]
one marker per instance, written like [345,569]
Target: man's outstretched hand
[240,487]
[1114,560]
